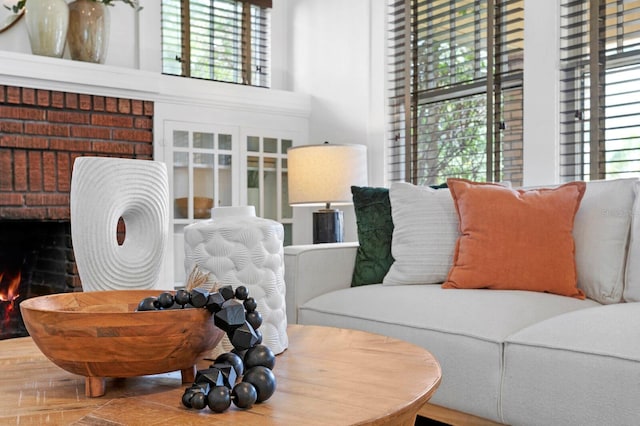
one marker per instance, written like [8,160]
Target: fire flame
[9,285]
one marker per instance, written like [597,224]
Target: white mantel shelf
[40,72]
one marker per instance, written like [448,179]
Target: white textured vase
[103,190]
[237,248]
[47,24]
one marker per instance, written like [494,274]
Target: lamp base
[328,226]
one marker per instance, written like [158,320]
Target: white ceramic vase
[237,248]
[47,23]
[103,190]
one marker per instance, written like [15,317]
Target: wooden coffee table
[328,376]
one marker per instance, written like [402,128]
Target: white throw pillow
[601,234]
[632,276]
[424,234]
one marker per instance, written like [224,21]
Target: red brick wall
[43,131]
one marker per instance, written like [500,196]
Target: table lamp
[324,174]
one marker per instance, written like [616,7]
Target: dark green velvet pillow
[375,231]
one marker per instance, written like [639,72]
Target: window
[222,40]
[455,98]
[600,89]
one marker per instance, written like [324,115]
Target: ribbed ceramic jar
[88,36]
[47,23]
[237,248]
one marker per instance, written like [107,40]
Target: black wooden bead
[212,376]
[219,399]
[259,334]
[182,297]
[230,317]
[186,398]
[255,319]
[165,300]
[250,304]
[232,359]
[263,380]
[229,374]
[215,302]
[243,337]
[242,292]
[198,400]
[199,297]
[226,292]
[259,355]
[244,395]
[147,304]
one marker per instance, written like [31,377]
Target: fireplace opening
[36,259]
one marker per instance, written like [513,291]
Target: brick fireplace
[42,132]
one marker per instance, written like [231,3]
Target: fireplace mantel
[40,72]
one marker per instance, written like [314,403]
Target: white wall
[336,55]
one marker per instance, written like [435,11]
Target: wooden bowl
[99,334]
[201,207]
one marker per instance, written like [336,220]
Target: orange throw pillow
[515,239]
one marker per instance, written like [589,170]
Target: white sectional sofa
[508,356]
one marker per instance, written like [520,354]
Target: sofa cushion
[515,239]
[375,230]
[424,235]
[590,359]
[463,329]
[601,234]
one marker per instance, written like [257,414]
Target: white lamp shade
[325,173]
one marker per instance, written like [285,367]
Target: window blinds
[455,90]
[222,40]
[600,89]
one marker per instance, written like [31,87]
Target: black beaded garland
[223,382]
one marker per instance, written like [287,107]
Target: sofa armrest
[312,270]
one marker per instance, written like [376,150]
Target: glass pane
[286,144]
[203,140]
[287,211]
[270,145]
[253,183]
[224,142]
[180,138]
[253,143]
[224,180]
[288,232]
[180,184]
[285,164]
[224,160]
[270,210]
[203,184]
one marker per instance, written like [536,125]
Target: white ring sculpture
[103,190]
